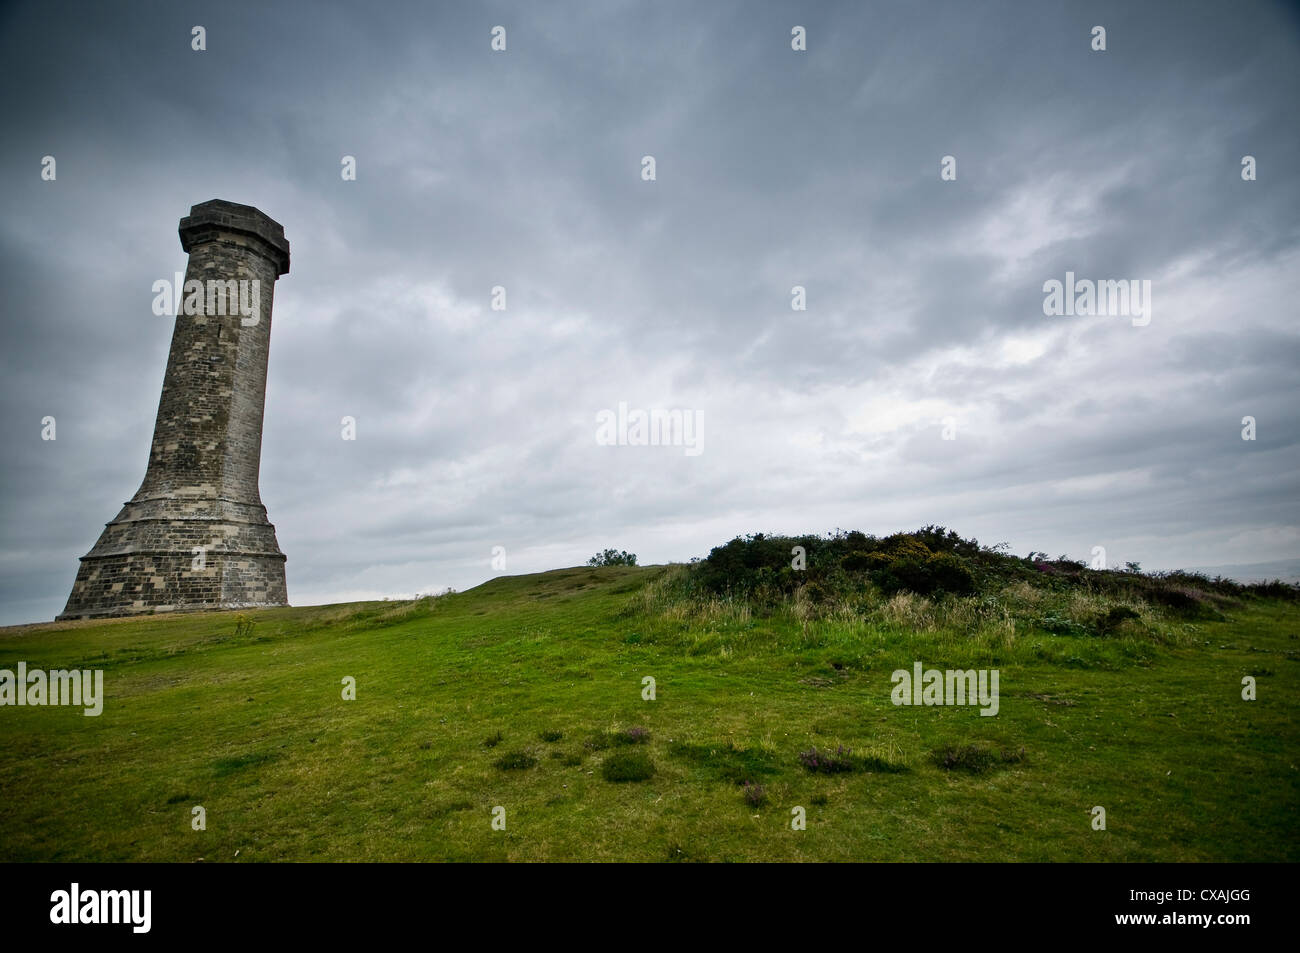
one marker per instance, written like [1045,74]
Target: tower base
[146,561]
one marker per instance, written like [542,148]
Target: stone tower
[195,535]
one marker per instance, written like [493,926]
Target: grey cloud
[476,428]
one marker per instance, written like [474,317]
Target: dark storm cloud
[775,169]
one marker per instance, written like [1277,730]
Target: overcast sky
[774,168]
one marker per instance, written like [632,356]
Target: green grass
[522,692]
[627,766]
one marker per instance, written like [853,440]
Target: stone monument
[195,535]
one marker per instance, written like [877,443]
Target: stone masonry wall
[201,485]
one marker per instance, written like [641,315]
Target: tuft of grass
[452,807]
[843,761]
[1052,699]
[227,766]
[827,762]
[1061,625]
[1113,618]
[515,761]
[492,740]
[755,795]
[975,758]
[876,764]
[676,855]
[550,736]
[622,766]
[727,762]
[635,735]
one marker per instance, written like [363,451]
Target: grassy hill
[526,693]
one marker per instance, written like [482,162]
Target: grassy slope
[253,727]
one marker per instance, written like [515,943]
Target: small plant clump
[623,766]
[827,762]
[516,761]
[976,759]
[725,761]
[843,761]
[1114,617]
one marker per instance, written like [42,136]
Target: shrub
[901,546]
[937,572]
[635,735]
[1182,599]
[612,557]
[755,796]
[950,574]
[1277,589]
[1114,617]
[845,569]
[1061,625]
[627,766]
[858,561]
[760,566]
[817,593]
